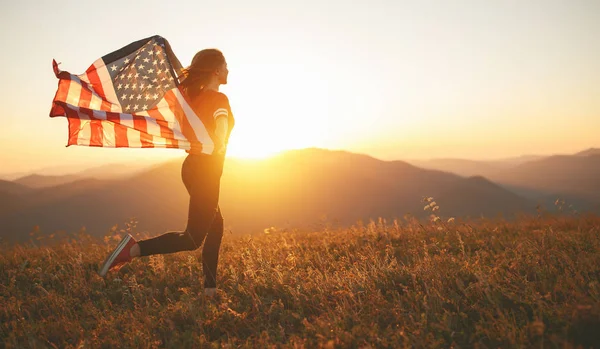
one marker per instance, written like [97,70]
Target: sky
[392,79]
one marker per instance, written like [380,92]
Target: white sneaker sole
[111,258]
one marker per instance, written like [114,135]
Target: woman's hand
[220,147]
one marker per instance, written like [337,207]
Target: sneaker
[119,256]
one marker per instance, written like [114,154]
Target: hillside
[12,197]
[529,283]
[461,167]
[104,172]
[13,188]
[590,151]
[300,189]
[470,168]
[39,181]
[559,175]
[574,178]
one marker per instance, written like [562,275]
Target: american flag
[129,98]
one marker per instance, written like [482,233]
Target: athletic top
[213,109]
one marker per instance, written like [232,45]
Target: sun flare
[255,141]
[269,123]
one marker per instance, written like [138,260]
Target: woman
[201,175]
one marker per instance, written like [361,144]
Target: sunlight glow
[270,120]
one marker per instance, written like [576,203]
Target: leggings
[201,175]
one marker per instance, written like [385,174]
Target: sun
[256,140]
[282,112]
[242,149]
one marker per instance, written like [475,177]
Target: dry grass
[532,282]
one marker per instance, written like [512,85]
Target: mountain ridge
[294,189]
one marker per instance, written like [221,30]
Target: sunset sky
[393,79]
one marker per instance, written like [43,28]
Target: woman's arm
[221,116]
[221,133]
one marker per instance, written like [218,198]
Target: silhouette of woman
[200,172]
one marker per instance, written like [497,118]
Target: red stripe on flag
[120,130]
[165,131]
[60,96]
[186,127]
[85,97]
[74,126]
[146,140]
[74,122]
[139,123]
[92,75]
[94,79]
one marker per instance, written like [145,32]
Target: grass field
[532,282]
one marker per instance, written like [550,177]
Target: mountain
[344,187]
[517,160]
[116,170]
[470,168]
[296,189]
[11,176]
[461,167]
[591,151]
[573,178]
[12,196]
[576,177]
[473,193]
[40,181]
[13,188]
[108,171]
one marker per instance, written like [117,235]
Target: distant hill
[116,170]
[474,191]
[345,186]
[517,160]
[39,181]
[13,188]
[11,176]
[461,167]
[296,189]
[486,168]
[470,168]
[12,196]
[104,172]
[574,176]
[591,151]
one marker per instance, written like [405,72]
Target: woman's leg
[210,251]
[169,242]
[203,187]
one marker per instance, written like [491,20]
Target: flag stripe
[92,76]
[107,87]
[75,124]
[120,129]
[61,95]
[74,91]
[186,127]
[196,125]
[85,130]
[108,128]
[141,125]
[160,123]
[85,98]
[161,114]
[133,138]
